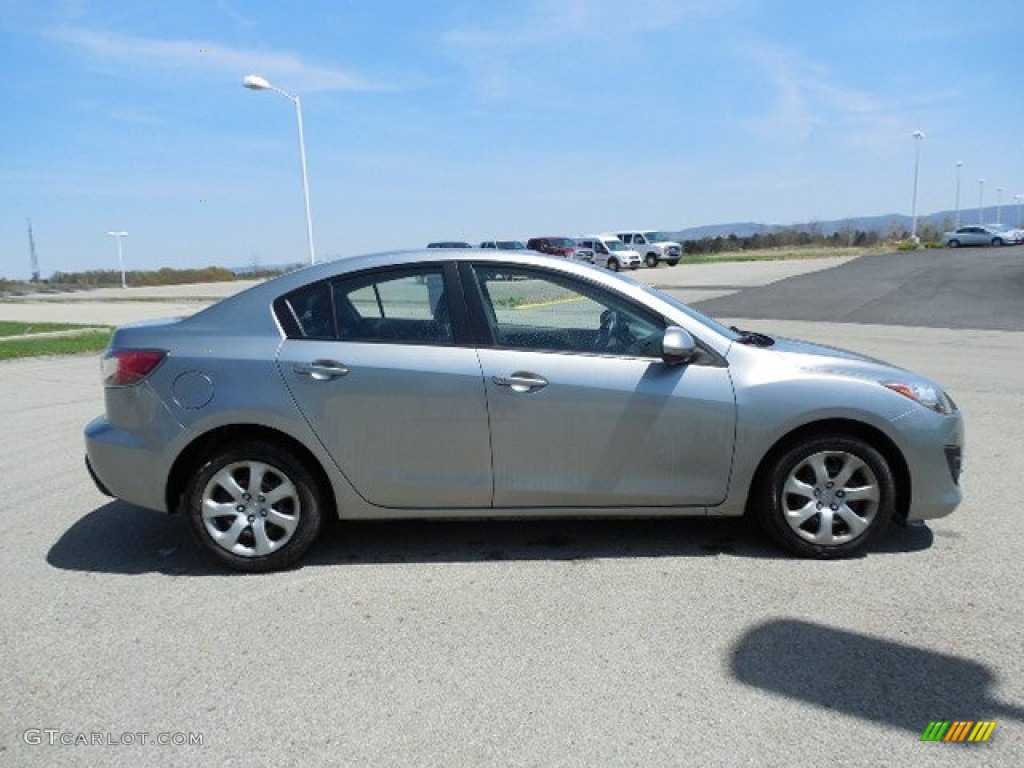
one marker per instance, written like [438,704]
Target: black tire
[827,496]
[651,260]
[673,262]
[613,265]
[953,243]
[254,522]
[997,242]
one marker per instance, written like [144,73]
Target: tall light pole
[119,236]
[981,197]
[999,205]
[956,214]
[256,83]
[918,138]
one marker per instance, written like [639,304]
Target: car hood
[823,359]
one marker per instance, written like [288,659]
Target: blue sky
[462,119]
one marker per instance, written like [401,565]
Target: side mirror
[677,346]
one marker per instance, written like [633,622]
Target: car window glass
[311,307]
[406,307]
[532,309]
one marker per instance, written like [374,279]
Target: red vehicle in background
[565,247]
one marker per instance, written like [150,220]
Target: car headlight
[927,395]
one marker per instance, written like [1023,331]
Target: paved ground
[662,643]
[965,288]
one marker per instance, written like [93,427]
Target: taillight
[127,367]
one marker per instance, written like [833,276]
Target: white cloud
[807,101]
[285,69]
[497,50]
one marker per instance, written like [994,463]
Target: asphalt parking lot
[661,643]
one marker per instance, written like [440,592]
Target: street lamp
[119,236]
[956,215]
[918,138]
[981,197]
[256,83]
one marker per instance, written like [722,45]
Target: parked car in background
[566,247]
[978,235]
[1016,235]
[504,245]
[504,384]
[611,252]
[449,244]
[653,246]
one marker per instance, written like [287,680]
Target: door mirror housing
[677,346]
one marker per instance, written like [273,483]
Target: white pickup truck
[653,246]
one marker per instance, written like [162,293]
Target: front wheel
[673,262]
[953,243]
[651,260]
[613,265]
[254,507]
[997,241]
[827,496]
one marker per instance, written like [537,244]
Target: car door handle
[321,370]
[521,382]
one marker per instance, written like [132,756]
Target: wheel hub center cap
[829,496]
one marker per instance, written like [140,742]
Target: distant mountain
[884,223]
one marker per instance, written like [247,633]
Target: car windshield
[562,242]
[657,237]
[511,245]
[615,245]
[714,325]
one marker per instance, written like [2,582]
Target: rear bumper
[96,478]
[123,467]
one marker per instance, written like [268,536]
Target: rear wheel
[651,260]
[253,507]
[997,241]
[827,496]
[953,243]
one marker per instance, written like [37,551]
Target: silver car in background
[979,235]
[476,383]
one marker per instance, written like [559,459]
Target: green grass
[90,341]
[10,328]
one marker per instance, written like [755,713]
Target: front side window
[532,309]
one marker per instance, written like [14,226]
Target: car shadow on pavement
[878,680]
[121,538]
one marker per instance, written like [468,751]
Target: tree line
[812,236]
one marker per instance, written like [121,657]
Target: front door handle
[521,382]
[321,370]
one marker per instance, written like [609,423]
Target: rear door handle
[521,382]
[321,370]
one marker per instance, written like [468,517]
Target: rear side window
[310,309]
[399,307]
[405,306]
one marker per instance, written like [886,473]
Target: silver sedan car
[979,235]
[481,383]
